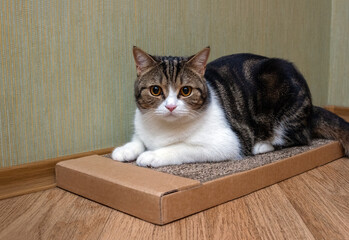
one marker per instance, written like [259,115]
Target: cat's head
[171,88]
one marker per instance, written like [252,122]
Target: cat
[238,105]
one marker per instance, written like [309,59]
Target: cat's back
[237,63]
[254,74]
[237,71]
[235,59]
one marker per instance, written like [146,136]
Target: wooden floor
[313,205]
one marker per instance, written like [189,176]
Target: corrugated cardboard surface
[161,198]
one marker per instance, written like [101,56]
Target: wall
[339,59]
[66,69]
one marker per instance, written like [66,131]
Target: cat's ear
[198,61]
[142,59]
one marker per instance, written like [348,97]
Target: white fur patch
[262,147]
[171,98]
[186,137]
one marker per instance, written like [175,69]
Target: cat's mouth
[177,116]
[171,116]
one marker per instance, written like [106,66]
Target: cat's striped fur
[264,99]
[253,102]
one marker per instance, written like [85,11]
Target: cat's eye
[186,91]
[155,90]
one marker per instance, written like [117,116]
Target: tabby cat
[238,105]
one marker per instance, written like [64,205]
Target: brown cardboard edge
[124,199]
[127,193]
[128,175]
[184,203]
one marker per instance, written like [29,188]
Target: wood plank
[123,226]
[192,227]
[86,222]
[274,216]
[43,218]
[231,220]
[341,167]
[128,227]
[36,215]
[13,208]
[33,177]
[321,197]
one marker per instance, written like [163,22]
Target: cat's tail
[330,126]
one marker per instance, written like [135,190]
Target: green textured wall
[66,68]
[339,60]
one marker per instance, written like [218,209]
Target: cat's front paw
[150,159]
[128,152]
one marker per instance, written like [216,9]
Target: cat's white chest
[158,134]
[209,131]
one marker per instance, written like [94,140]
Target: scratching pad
[204,172]
[165,194]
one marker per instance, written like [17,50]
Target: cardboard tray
[161,198]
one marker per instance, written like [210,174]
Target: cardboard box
[161,198]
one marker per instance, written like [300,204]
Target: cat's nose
[171,107]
